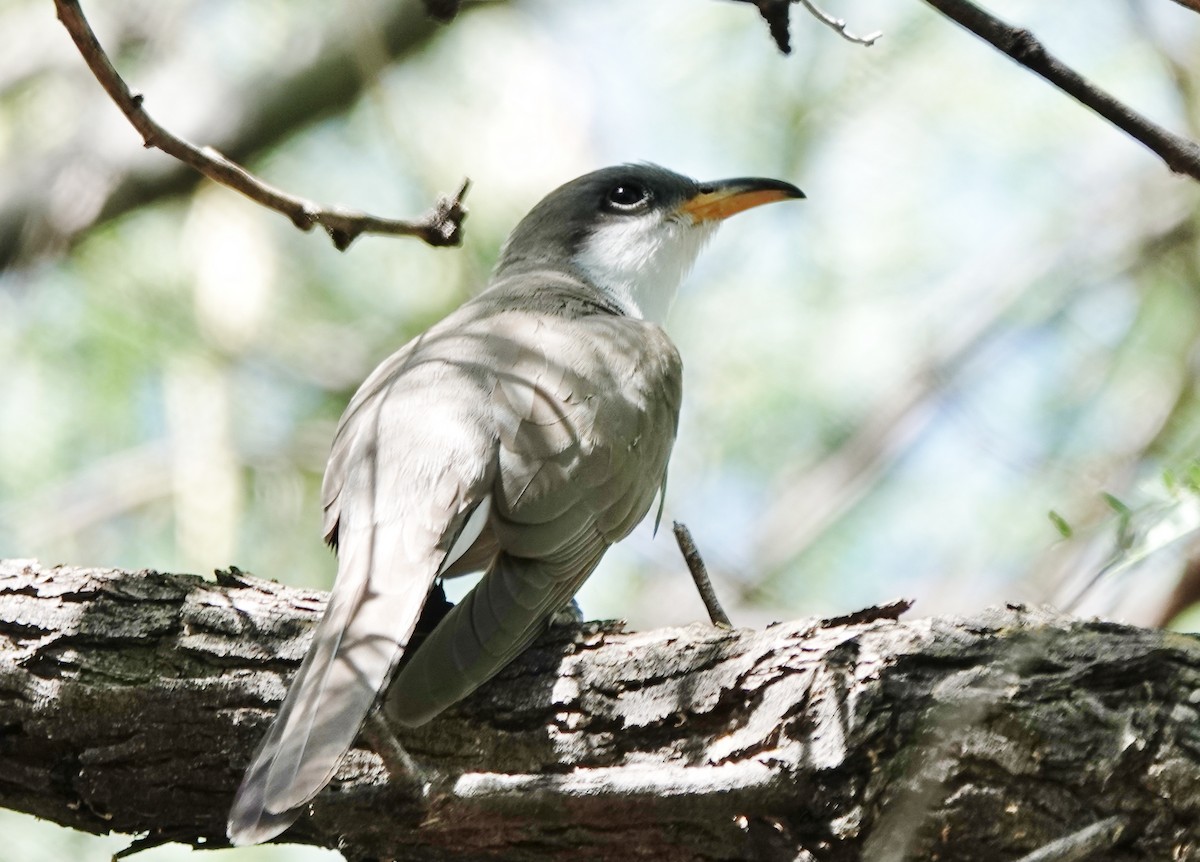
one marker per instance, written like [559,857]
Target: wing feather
[582,450]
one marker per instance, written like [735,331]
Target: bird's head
[632,231]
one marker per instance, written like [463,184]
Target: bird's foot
[401,765]
[568,615]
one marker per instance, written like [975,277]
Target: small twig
[1180,154]
[839,25]
[700,575]
[1084,844]
[776,13]
[440,227]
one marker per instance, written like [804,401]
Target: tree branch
[1180,154]
[839,25]
[440,227]
[699,573]
[244,123]
[777,14]
[131,701]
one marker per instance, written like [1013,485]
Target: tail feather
[356,646]
[498,619]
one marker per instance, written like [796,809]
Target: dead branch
[777,14]
[440,227]
[1180,154]
[839,25]
[699,573]
[112,183]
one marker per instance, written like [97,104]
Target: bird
[522,435]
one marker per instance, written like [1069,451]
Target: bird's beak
[720,200]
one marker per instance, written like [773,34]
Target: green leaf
[1060,524]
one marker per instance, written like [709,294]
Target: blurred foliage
[986,310]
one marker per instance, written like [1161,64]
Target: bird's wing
[586,412]
[412,460]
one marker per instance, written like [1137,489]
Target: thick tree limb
[1180,154]
[130,702]
[440,227]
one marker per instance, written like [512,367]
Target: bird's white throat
[641,261]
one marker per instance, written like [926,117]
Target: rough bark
[130,702]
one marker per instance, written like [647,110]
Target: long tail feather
[357,644]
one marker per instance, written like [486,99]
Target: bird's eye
[627,196]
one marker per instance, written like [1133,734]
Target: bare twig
[1180,154]
[839,24]
[700,575]
[440,227]
[777,12]
[1084,844]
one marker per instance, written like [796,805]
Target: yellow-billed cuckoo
[522,435]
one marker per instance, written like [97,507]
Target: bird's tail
[356,646]
[498,619]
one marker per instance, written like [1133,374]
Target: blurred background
[963,371]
